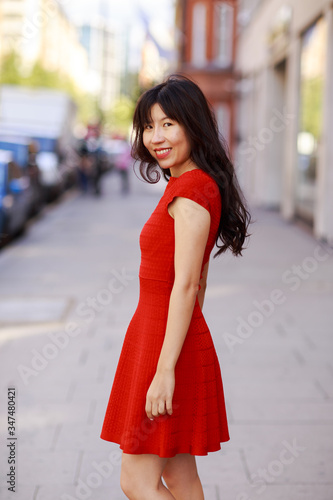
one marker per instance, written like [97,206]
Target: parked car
[24,151]
[51,180]
[47,117]
[18,145]
[15,197]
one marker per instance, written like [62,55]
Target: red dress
[199,422]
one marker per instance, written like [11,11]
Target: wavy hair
[184,102]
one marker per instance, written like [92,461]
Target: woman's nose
[157,135]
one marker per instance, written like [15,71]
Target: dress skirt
[198,423]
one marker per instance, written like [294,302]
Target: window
[2,178]
[313,61]
[222,113]
[246,9]
[199,34]
[224,22]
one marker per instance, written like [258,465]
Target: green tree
[39,77]
[312,105]
[119,117]
[88,108]
[10,70]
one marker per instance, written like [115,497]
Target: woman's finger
[168,405]
[161,408]
[154,410]
[148,409]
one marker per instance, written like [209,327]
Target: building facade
[206,38]
[39,30]
[284,154]
[104,61]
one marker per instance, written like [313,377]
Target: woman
[167,402]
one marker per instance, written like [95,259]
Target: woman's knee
[129,482]
[138,488]
[177,482]
[126,482]
[180,471]
[139,475]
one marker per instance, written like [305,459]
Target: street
[69,287]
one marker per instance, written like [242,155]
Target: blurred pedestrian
[85,167]
[95,147]
[34,176]
[96,150]
[167,401]
[122,164]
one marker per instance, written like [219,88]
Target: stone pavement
[68,290]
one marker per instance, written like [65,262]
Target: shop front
[310,125]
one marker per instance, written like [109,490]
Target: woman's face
[167,142]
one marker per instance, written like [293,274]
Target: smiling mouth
[162,152]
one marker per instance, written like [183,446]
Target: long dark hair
[183,101]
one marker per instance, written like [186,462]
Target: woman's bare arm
[192,223]
[203,285]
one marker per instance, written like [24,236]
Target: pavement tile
[280,492]
[290,462]
[33,310]
[225,465]
[282,410]
[22,492]
[38,437]
[211,491]
[79,436]
[69,492]
[45,466]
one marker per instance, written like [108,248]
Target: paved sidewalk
[68,290]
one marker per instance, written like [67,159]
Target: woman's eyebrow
[161,119]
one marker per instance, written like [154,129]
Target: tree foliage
[11,73]
[117,119]
[312,105]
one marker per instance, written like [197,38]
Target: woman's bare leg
[181,477]
[141,477]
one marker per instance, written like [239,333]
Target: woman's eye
[148,127]
[167,124]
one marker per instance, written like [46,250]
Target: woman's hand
[160,393]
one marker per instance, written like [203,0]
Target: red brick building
[207,50]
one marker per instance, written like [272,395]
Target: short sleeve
[199,187]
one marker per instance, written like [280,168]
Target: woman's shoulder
[197,185]
[193,177]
